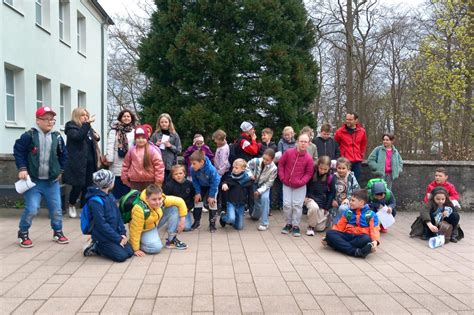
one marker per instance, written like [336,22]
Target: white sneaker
[263,227]
[204,210]
[72,212]
[310,231]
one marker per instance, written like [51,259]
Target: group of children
[237,178]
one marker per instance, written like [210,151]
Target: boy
[267,142]
[441,179]
[205,182]
[238,188]
[327,145]
[246,146]
[41,154]
[312,149]
[355,233]
[380,196]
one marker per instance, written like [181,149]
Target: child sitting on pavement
[346,183]
[355,234]
[380,196]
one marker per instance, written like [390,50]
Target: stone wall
[409,189]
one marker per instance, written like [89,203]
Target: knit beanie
[198,138]
[103,178]
[140,131]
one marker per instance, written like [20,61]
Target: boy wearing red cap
[40,153]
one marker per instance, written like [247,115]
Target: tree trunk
[349,44]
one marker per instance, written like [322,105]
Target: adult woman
[167,139]
[385,161]
[83,155]
[120,139]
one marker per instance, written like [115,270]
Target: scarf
[121,136]
[241,178]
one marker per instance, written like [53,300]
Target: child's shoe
[72,211]
[212,227]
[310,231]
[383,230]
[221,219]
[296,231]
[286,229]
[263,227]
[176,244]
[364,251]
[196,225]
[90,249]
[59,237]
[24,239]
[204,210]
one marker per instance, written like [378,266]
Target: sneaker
[262,228]
[286,229]
[59,237]
[310,231]
[221,219]
[176,244]
[453,240]
[196,225]
[296,231]
[212,227]
[204,210]
[72,211]
[24,240]
[90,249]
[364,251]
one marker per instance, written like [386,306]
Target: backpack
[370,184]
[87,221]
[128,201]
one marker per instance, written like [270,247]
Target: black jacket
[327,147]
[184,190]
[81,148]
[239,192]
[322,191]
[264,146]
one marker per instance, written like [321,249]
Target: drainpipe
[102,86]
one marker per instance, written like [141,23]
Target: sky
[120,7]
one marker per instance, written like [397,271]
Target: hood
[95,191]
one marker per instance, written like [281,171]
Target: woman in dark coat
[83,152]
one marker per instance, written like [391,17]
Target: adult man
[352,142]
[40,153]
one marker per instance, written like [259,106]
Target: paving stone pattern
[231,272]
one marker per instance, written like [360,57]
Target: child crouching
[355,233]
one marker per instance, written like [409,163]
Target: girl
[439,208]
[179,186]
[142,165]
[263,172]
[198,144]
[149,215]
[345,183]
[385,161]
[119,141]
[82,147]
[288,139]
[109,237]
[167,139]
[320,192]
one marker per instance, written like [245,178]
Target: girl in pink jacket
[143,164]
[295,170]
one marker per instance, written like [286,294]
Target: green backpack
[128,201]
[370,184]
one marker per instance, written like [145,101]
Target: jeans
[188,221]
[235,215]
[356,168]
[150,241]
[114,251]
[346,243]
[261,207]
[293,199]
[197,212]
[120,189]
[51,192]
[339,212]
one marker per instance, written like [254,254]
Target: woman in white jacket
[120,139]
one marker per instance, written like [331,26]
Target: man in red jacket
[352,141]
[295,170]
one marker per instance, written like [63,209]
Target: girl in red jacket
[143,164]
[295,170]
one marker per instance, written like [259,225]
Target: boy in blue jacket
[206,182]
[380,196]
[40,154]
[109,237]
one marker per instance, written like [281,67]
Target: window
[39,12]
[39,93]
[42,13]
[64,103]
[61,20]
[81,99]
[15,5]
[64,21]
[10,2]
[81,33]
[43,91]
[10,93]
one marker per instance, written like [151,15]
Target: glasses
[48,120]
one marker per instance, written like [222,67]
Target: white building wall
[39,51]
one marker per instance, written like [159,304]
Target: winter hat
[103,178]
[148,128]
[140,131]
[198,138]
[246,126]
[378,188]
[44,110]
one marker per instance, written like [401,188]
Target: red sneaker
[24,239]
[59,237]
[383,230]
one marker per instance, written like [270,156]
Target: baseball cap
[378,188]
[246,126]
[44,110]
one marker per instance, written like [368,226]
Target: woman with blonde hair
[83,155]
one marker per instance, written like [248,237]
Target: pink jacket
[132,167]
[295,169]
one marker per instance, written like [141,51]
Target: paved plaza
[236,272]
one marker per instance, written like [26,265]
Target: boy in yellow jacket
[144,227]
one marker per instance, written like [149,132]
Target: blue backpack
[87,221]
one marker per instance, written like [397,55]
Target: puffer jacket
[264,177]
[359,221]
[295,169]
[132,167]
[206,176]
[376,161]
[112,153]
[352,145]
[139,224]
